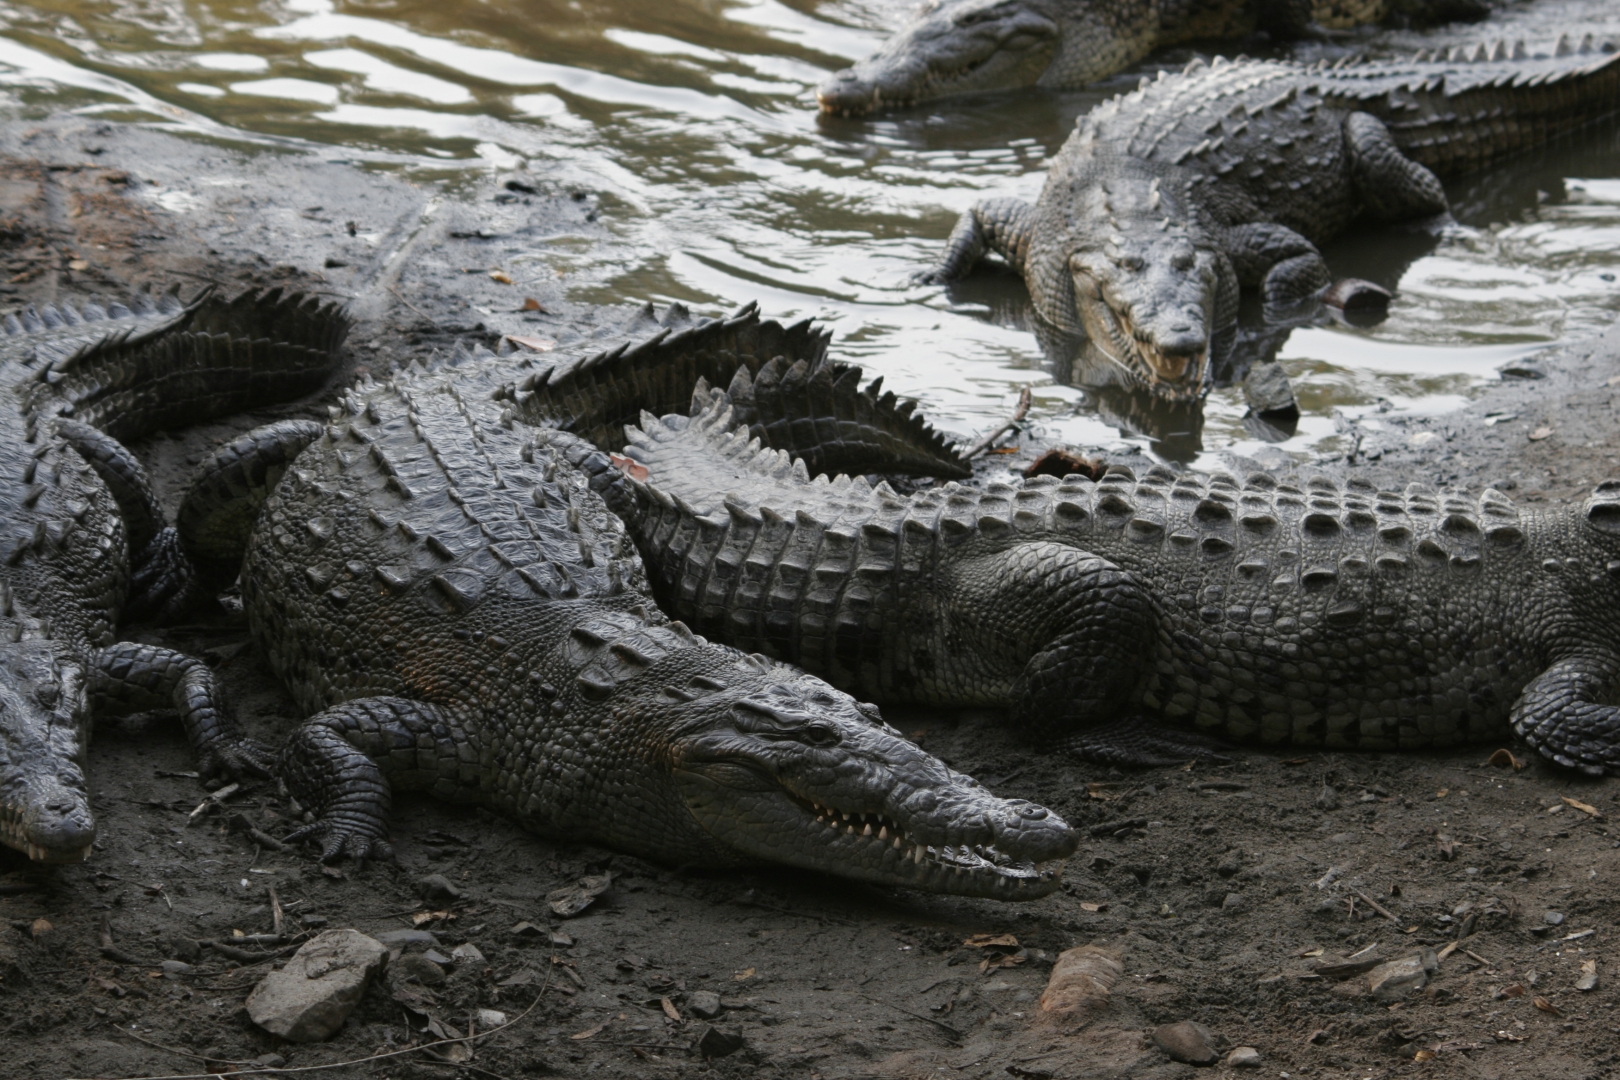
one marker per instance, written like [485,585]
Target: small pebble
[1244,1057]
[1554,918]
[704,1004]
[467,953]
[1328,799]
[438,888]
[1187,1041]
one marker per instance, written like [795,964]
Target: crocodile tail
[781,380]
[215,357]
[224,495]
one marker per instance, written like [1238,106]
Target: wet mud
[1221,888]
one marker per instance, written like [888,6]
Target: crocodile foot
[235,758]
[1140,743]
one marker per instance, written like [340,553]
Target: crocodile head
[1154,298]
[44,803]
[777,766]
[952,47]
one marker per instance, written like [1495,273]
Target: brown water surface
[694,121]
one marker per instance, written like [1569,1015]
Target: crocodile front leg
[342,765]
[1002,226]
[1563,715]
[1389,184]
[1077,629]
[1287,267]
[130,677]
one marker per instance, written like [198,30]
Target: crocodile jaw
[44,804]
[1152,319]
[955,47]
[859,800]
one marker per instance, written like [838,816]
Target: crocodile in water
[74,506]
[1111,616]
[1167,200]
[956,47]
[436,582]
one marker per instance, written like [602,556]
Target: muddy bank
[1216,886]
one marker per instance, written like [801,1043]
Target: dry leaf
[588,1032]
[1547,1007]
[1005,450]
[1508,1036]
[1540,433]
[1511,990]
[40,928]
[632,468]
[1448,849]
[991,941]
[1582,807]
[1101,791]
[1442,793]
[504,278]
[1307,953]
[670,1010]
[1589,976]
[570,900]
[1505,759]
[1424,1055]
[429,916]
[533,344]
[745,973]
[1086,905]
[78,264]
[531,304]
[1001,960]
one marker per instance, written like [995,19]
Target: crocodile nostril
[1033,813]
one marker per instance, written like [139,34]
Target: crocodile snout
[845,93]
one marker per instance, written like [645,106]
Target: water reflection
[693,122]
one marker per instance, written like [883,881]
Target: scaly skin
[956,47]
[1166,201]
[75,380]
[434,580]
[1328,615]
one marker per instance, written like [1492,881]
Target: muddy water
[693,119]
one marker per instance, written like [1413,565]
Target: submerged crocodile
[434,580]
[956,47]
[1167,200]
[1128,619]
[75,514]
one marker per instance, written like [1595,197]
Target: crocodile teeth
[868,830]
[917,854]
[883,832]
[898,843]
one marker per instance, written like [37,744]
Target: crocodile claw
[356,839]
[235,758]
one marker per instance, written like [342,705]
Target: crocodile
[955,47]
[436,583]
[81,530]
[1164,202]
[809,405]
[1134,619]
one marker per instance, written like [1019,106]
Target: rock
[1553,918]
[309,999]
[1233,904]
[490,1018]
[438,958]
[467,953]
[1230,864]
[1267,390]
[405,939]
[186,949]
[437,888]
[1080,983]
[714,1043]
[1589,976]
[705,1004]
[417,967]
[1327,799]
[1395,979]
[526,931]
[1244,1057]
[1187,1041]
[270,1061]
[175,967]
[570,900]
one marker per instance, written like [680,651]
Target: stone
[1327,798]
[467,953]
[1187,1041]
[1230,864]
[438,958]
[175,967]
[1244,1057]
[714,1043]
[437,888]
[405,939]
[1553,918]
[1395,979]
[417,967]
[309,999]
[270,1061]
[1233,903]
[490,1018]
[705,1004]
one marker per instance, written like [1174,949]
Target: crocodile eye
[1183,260]
[821,735]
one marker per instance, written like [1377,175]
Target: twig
[401,298]
[955,1036]
[215,798]
[275,912]
[1011,425]
[266,1071]
[1481,959]
[1376,906]
[182,1053]
[108,949]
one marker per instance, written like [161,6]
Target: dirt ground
[1221,888]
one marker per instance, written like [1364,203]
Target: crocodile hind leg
[1287,267]
[1077,628]
[1002,226]
[1562,714]
[343,763]
[1389,184]
[130,677]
